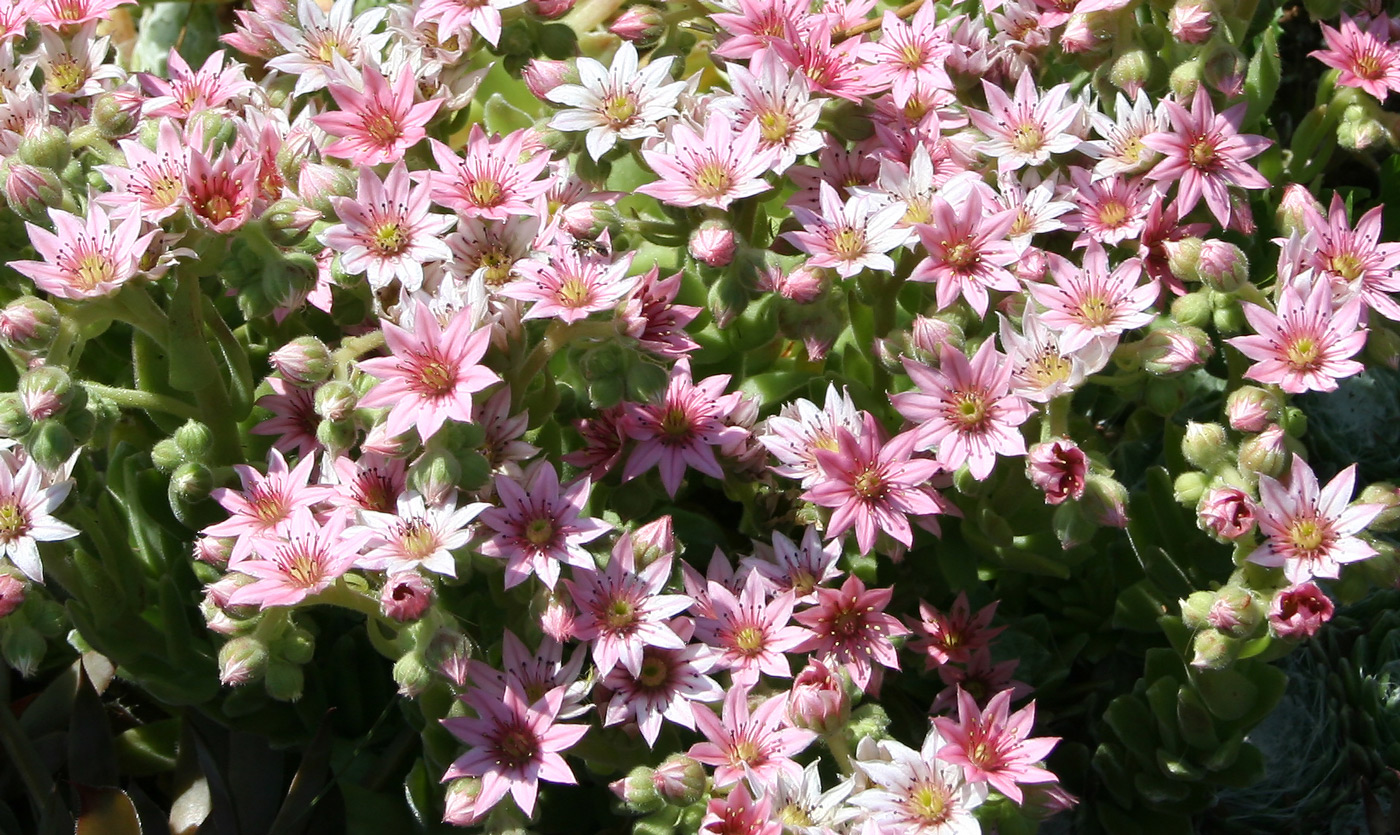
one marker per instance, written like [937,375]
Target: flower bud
[116,115]
[1185,79]
[1225,68]
[1079,35]
[287,222]
[1226,513]
[642,25]
[1190,21]
[12,592]
[1183,256]
[30,191]
[1228,317]
[1105,501]
[45,391]
[337,435]
[1189,487]
[191,482]
[637,791]
[46,147]
[50,444]
[214,550]
[284,681]
[930,334]
[1252,409]
[193,440]
[1236,612]
[449,653]
[817,700]
[1195,610]
[1192,310]
[1173,350]
[653,541]
[412,675]
[219,132]
[1298,612]
[1386,496]
[435,475]
[242,660]
[1222,266]
[460,807]
[405,597]
[28,324]
[1267,453]
[728,298]
[318,182]
[680,780]
[803,285]
[551,9]
[713,243]
[1294,208]
[336,400]
[1212,649]
[14,419]
[1205,445]
[1130,71]
[1058,468]
[22,647]
[1360,134]
[304,362]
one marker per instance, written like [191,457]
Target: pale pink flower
[265,505]
[681,428]
[1121,150]
[187,92]
[152,181]
[417,535]
[748,745]
[1037,210]
[538,526]
[320,37]
[616,102]
[952,636]
[909,54]
[1353,259]
[967,251]
[916,791]
[1307,345]
[459,17]
[570,286]
[1311,531]
[304,560]
[514,745]
[85,257]
[1205,154]
[994,745]
[1058,469]
[1042,368]
[850,628]
[26,514]
[1027,129]
[667,686]
[534,674]
[1110,209]
[622,611]
[756,26]
[750,633]
[62,14]
[798,568]
[1366,58]
[377,122]
[779,102]
[1092,303]
[875,485]
[965,409]
[432,374]
[713,170]
[849,237]
[1299,611]
[800,428]
[497,178]
[386,231]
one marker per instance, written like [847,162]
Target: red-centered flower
[748,745]
[304,561]
[266,503]
[750,633]
[1311,531]
[993,746]
[514,745]
[875,485]
[221,193]
[1092,303]
[967,251]
[1307,345]
[294,419]
[713,170]
[665,687]
[740,813]
[495,180]
[966,409]
[622,611]
[1367,58]
[188,92]
[1299,611]
[952,636]
[1353,259]
[432,374]
[654,319]
[850,628]
[378,123]
[538,526]
[682,428]
[85,257]
[1059,468]
[1205,154]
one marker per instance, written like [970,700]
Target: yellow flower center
[654,672]
[485,192]
[1203,154]
[773,126]
[1027,139]
[539,532]
[389,239]
[1048,369]
[848,243]
[92,270]
[1307,535]
[970,411]
[675,423]
[1096,311]
[748,640]
[382,128]
[619,109]
[13,523]
[713,180]
[620,615]
[1303,353]
[1347,265]
[794,815]
[961,256]
[869,485]
[574,292]
[66,76]
[929,805]
[436,377]
[1113,213]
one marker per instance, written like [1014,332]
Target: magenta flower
[779,101]
[1027,129]
[874,485]
[713,170]
[623,611]
[221,194]
[654,319]
[952,636]
[497,178]
[539,526]
[432,374]
[1091,303]
[1366,58]
[1205,154]
[1307,345]
[1058,468]
[1299,611]
[682,428]
[514,745]
[188,92]
[740,813]
[1226,513]
[750,633]
[304,561]
[378,123]
[967,251]
[85,257]
[748,745]
[386,231]
[1311,532]
[850,628]
[993,746]
[966,409]
[849,237]
[667,684]
[534,674]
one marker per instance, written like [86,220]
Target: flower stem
[215,406]
[1056,421]
[150,401]
[840,751]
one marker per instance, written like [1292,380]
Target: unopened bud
[50,444]
[460,804]
[191,482]
[550,9]
[30,191]
[1183,257]
[46,147]
[1294,209]
[1212,649]
[1361,134]
[1131,70]
[642,25]
[637,791]
[1190,21]
[12,593]
[412,675]
[1222,266]
[1195,610]
[1225,68]
[46,391]
[28,324]
[194,441]
[406,596]
[930,334]
[1185,79]
[284,681]
[1236,612]
[116,115]
[337,435]
[653,541]
[1298,612]
[542,75]
[14,418]
[287,222]
[317,183]
[336,400]
[1189,487]
[713,243]
[435,475]
[304,362]
[1267,453]
[817,700]
[1226,513]
[1386,496]
[1252,409]
[1105,501]
[1174,349]
[1205,445]
[22,647]
[728,298]
[241,660]
[219,132]
[680,780]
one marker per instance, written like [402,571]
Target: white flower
[25,514]
[617,101]
[915,792]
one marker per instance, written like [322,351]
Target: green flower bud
[242,659]
[637,791]
[1192,310]
[1294,422]
[46,391]
[1205,445]
[1105,501]
[412,675]
[1195,609]
[193,441]
[1383,493]
[680,780]
[1267,453]
[50,444]
[1236,612]
[1222,266]
[603,361]
[1229,318]
[869,721]
[191,482]
[336,400]
[284,681]
[728,298]
[1382,346]
[220,132]
[1361,134]
[435,474]
[1212,649]
[304,362]
[646,382]
[14,418]
[607,392]
[337,435]
[28,324]
[1185,79]
[22,646]
[113,116]
[46,147]
[1183,256]
[1174,349]
[287,222]
[296,646]
[1189,487]
[1131,70]
[476,470]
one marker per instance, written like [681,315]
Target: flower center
[268,508]
[1027,139]
[849,243]
[749,640]
[794,815]
[303,568]
[969,410]
[675,423]
[773,126]
[517,747]
[849,624]
[1096,312]
[495,265]
[1113,213]
[929,805]
[66,76]
[1307,535]
[574,292]
[619,109]
[435,377]
[655,672]
[1303,353]
[961,256]
[620,615]
[389,239]
[713,180]
[869,485]
[745,751]
[417,539]
[485,192]
[382,128]
[1048,369]
[93,270]
[13,523]
[911,57]
[539,532]
[1203,154]
[1347,265]
[1367,66]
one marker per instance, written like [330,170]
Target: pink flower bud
[460,807]
[406,596]
[1226,513]
[1251,409]
[558,620]
[1241,216]
[639,24]
[637,791]
[653,541]
[1298,612]
[1058,468]
[304,362]
[11,594]
[929,335]
[213,550]
[1105,501]
[1267,453]
[1190,21]
[28,324]
[30,190]
[1033,265]
[817,700]
[542,75]
[1294,208]
[1173,350]
[450,653]
[1078,36]
[242,660]
[713,244]
[679,780]
[550,9]
[803,285]
[1236,612]
[1222,266]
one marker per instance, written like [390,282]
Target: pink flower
[221,194]
[570,286]
[952,636]
[1226,513]
[304,561]
[795,434]
[850,628]
[1353,259]
[713,170]
[417,536]
[1025,130]
[316,39]
[1311,532]
[1058,468]
[874,485]
[622,611]
[1367,59]
[539,526]
[187,92]
[1205,154]
[432,374]
[994,747]
[85,257]
[1091,303]
[666,686]
[817,700]
[378,123]
[266,503]
[1299,611]
[779,101]
[616,102]
[849,237]
[749,745]
[800,569]
[26,514]
[1190,22]
[654,319]
[1112,209]
[12,594]
[459,17]
[740,813]
[916,791]
[682,428]
[386,231]
[497,178]
[965,409]
[1307,345]
[750,633]
[967,251]
[909,55]
[831,67]
[152,181]
[406,596]
[514,745]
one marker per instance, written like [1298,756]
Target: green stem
[1056,421]
[135,307]
[149,401]
[215,407]
[558,335]
[352,348]
[840,751]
